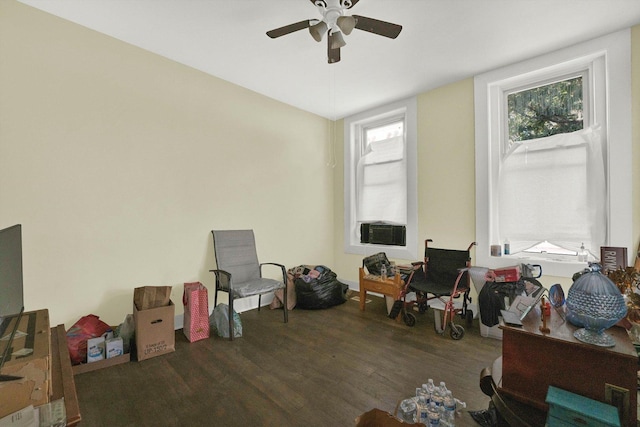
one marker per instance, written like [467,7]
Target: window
[380,176]
[545,110]
[553,147]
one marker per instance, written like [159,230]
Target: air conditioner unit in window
[383,234]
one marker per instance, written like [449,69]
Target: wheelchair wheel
[409,319]
[456,332]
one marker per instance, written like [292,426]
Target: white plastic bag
[219,319]
[126,331]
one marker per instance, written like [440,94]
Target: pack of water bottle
[433,405]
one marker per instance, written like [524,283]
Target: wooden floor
[323,368]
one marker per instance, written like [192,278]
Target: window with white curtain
[380,176]
[381,180]
[553,190]
[553,147]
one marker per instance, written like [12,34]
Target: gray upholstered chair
[238,272]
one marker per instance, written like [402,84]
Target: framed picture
[613,257]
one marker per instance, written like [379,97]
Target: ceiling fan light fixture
[337,41]
[346,24]
[335,23]
[318,30]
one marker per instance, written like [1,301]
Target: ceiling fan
[335,22]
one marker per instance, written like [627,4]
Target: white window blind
[382,182]
[553,189]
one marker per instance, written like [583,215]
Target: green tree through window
[545,110]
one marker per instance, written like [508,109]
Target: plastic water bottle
[443,388]
[424,392]
[437,397]
[582,254]
[430,386]
[383,272]
[433,415]
[422,410]
[408,410]
[439,393]
[449,404]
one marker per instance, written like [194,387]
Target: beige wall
[118,163]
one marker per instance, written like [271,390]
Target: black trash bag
[323,291]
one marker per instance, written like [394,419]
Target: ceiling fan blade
[375,26]
[349,3]
[288,29]
[322,2]
[333,54]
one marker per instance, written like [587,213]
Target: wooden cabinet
[532,361]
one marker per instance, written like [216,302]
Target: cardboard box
[90,367]
[26,417]
[155,332]
[114,347]
[95,349]
[29,359]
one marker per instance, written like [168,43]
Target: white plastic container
[490,331]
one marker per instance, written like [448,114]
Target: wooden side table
[391,287]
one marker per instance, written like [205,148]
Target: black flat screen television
[11,288]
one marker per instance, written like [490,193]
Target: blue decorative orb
[594,303]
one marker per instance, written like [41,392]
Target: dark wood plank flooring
[323,368]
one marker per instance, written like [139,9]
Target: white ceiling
[442,41]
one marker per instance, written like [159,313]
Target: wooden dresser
[533,361]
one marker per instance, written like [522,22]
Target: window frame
[608,60]
[353,146]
